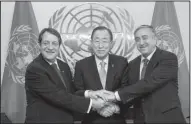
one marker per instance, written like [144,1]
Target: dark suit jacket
[87,78]
[157,93]
[48,101]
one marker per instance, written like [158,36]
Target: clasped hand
[103,102]
[107,96]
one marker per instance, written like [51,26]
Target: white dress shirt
[106,60]
[97,60]
[141,63]
[50,63]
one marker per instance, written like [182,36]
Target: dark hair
[102,28]
[145,26]
[51,31]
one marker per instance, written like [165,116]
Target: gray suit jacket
[48,101]
[157,93]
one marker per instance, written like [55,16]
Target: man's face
[101,43]
[146,41]
[49,46]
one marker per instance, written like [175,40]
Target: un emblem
[169,41]
[23,48]
[75,25]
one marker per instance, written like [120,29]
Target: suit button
[143,100]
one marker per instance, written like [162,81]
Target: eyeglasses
[104,43]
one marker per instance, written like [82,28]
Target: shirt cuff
[90,105]
[117,96]
[86,94]
[131,106]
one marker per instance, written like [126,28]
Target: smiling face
[101,43]
[49,47]
[145,41]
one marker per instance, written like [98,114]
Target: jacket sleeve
[78,80]
[164,71]
[38,83]
[70,78]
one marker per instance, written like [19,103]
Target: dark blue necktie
[59,74]
[145,63]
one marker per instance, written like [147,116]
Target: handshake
[103,102]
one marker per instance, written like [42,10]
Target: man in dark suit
[99,73]
[152,80]
[48,84]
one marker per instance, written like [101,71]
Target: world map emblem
[76,23]
[23,48]
[169,41]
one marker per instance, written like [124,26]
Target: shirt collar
[50,63]
[148,57]
[99,60]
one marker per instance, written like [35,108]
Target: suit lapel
[64,77]
[94,71]
[153,61]
[110,73]
[52,73]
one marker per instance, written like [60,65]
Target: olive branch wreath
[18,30]
[129,27]
[163,28]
